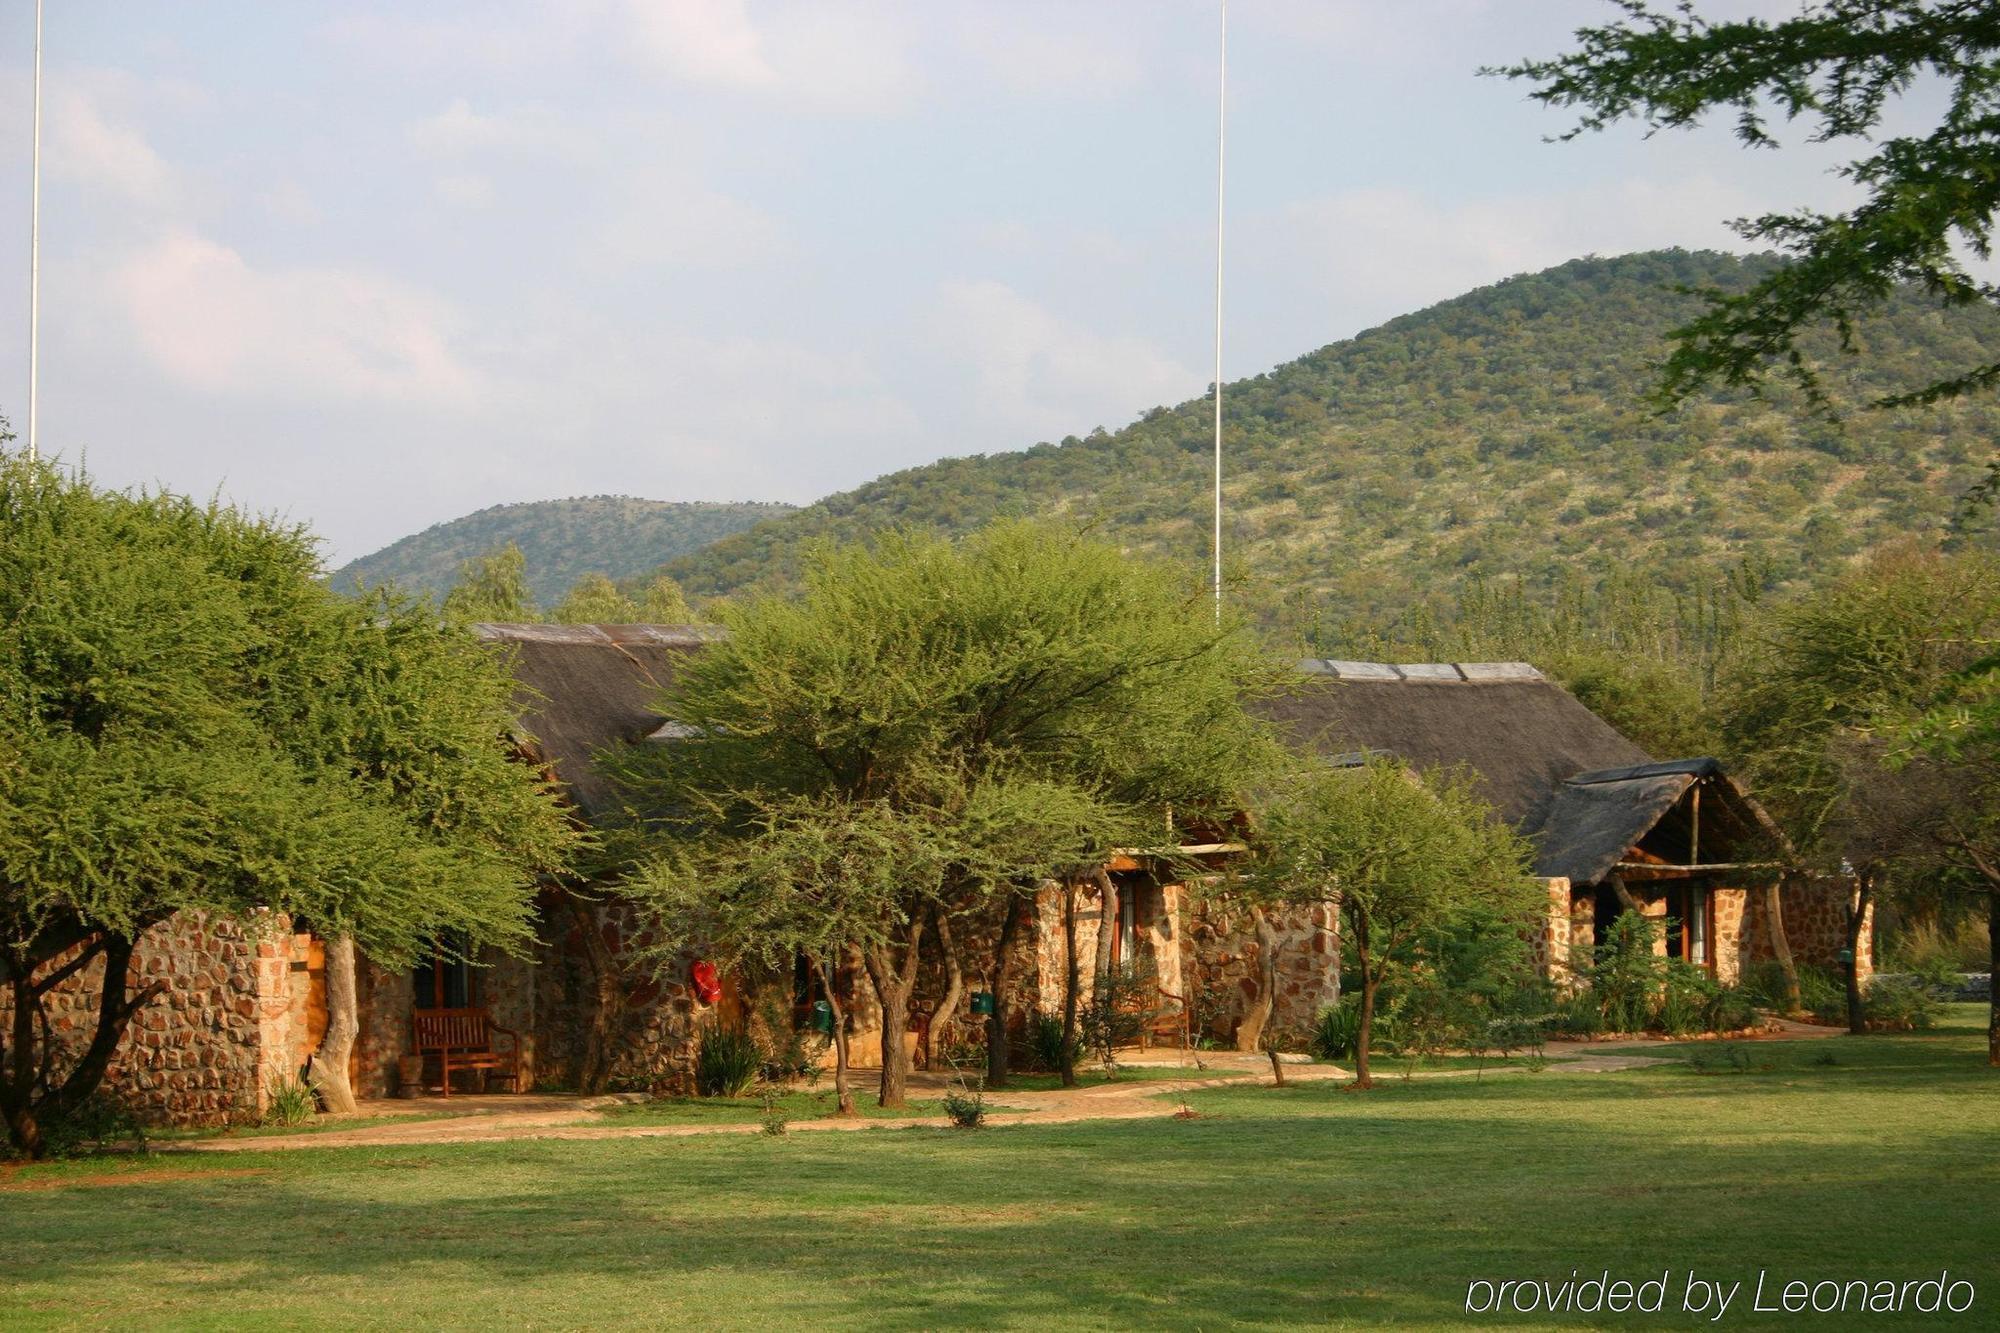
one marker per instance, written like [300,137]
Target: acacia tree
[1025,700]
[594,600]
[1831,669]
[493,586]
[193,722]
[1835,67]
[1401,856]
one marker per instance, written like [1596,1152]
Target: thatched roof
[1600,817]
[587,687]
[1519,733]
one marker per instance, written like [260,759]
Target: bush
[774,1122]
[1577,1015]
[1822,995]
[104,1121]
[1926,946]
[1893,1003]
[1519,1032]
[1336,1030]
[1042,1050]
[966,1106]
[1626,975]
[1686,999]
[292,1103]
[726,1063]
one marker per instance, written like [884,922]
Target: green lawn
[1311,1205]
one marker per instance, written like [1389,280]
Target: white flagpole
[35,256]
[1221,127]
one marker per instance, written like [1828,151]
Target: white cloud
[846,56]
[212,321]
[1067,51]
[288,201]
[465,190]
[1040,376]
[459,130]
[87,144]
[667,219]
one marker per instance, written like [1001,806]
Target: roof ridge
[1464,672]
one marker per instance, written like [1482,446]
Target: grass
[818,1104]
[319,1124]
[1310,1204]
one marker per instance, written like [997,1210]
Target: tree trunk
[1857,917]
[607,998]
[996,1023]
[1781,945]
[946,1013]
[1107,920]
[343,1025]
[894,980]
[1277,1067]
[1364,1034]
[17,1089]
[1250,1032]
[1626,898]
[1071,985]
[1993,977]
[843,1094]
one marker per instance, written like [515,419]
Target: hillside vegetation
[1502,435]
[561,539]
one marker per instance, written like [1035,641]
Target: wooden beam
[1701,869]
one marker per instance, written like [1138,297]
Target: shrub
[726,1063]
[104,1121]
[1822,995]
[1687,999]
[1626,975]
[1732,1010]
[292,1103]
[1519,1032]
[775,1123]
[1893,1003]
[1926,946]
[1577,1015]
[1939,976]
[1336,1030]
[966,1106]
[1042,1051]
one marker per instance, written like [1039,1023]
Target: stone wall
[1223,961]
[219,1039]
[1815,914]
[658,1023]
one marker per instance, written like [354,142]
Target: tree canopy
[1402,855]
[192,721]
[1836,67]
[985,714]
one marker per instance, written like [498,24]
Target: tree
[1838,65]
[595,600]
[1829,673]
[1401,856]
[1018,704]
[493,587]
[192,722]
[661,602]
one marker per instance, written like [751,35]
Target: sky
[373,266]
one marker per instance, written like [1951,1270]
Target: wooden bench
[463,1039]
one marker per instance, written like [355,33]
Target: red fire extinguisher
[707,985]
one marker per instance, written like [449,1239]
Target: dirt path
[500,1119]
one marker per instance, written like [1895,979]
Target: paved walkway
[488,1119]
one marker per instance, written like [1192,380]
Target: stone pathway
[489,1119]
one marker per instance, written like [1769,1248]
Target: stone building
[1679,840]
[244,1004]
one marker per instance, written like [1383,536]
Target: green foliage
[1042,1048]
[726,1063]
[190,720]
[1838,66]
[595,600]
[1336,1029]
[927,725]
[292,1103]
[1122,1003]
[966,1106]
[103,1122]
[1503,436]
[1895,1003]
[562,541]
[492,586]
[661,602]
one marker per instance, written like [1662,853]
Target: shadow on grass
[1302,1205]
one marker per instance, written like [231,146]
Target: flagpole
[35,256]
[1221,128]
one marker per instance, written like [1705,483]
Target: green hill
[1502,433]
[562,540]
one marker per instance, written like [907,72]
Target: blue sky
[375,266]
